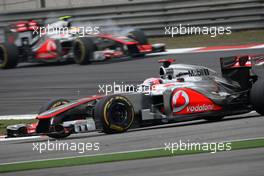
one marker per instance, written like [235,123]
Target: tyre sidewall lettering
[131,113]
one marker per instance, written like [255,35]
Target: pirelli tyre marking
[82,48]
[129,115]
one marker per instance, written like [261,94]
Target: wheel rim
[118,113]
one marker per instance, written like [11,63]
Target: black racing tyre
[58,135]
[139,36]
[214,119]
[52,104]
[116,114]
[257,96]
[8,55]
[83,49]
[22,131]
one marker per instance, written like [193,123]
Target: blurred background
[150,15]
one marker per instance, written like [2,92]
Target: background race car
[183,92]
[29,41]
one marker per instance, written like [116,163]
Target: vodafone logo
[179,101]
[200,108]
[51,46]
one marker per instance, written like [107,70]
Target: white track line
[80,156]
[18,117]
[110,153]
[258,46]
[19,138]
[203,50]
[4,139]
[176,51]
[226,49]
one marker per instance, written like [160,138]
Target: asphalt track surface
[242,163]
[24,89]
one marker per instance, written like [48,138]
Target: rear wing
[257,62]
[241,61]
[242,69]
[13,30]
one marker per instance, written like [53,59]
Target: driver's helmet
[152,81]
[61,23]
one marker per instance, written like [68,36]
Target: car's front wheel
[8,55]
[50,105]
[257,96]
[139,36]
[83,49]
[116,113]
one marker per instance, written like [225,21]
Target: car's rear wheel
[257,96]
[8,55]
[20,132]
[53,104]
[139,36]
[116,113]
[83,49]
[50,105]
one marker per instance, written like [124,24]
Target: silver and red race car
[183,92]
[29,41]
